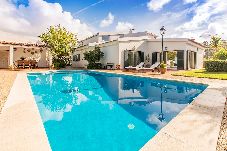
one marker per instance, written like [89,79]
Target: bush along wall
[216,65]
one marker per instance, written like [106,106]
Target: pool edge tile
[21,127]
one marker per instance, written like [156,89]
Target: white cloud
[156,5]
[27,22]
[189,1]
[209,18]
[107,21]
[124,27]
[199,21]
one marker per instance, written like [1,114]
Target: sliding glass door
[133,58]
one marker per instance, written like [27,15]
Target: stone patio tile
[212,99]
[197,126]
[21,127]
[21,130]
[164,142]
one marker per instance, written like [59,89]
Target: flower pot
[163,70]
[118,67]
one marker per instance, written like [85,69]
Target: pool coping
[202,116]
[21,127]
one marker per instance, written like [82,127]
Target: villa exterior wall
[156,46]
[111,54]
[199,55]
[82,63]
[113,37]
[130,45]
[114,51]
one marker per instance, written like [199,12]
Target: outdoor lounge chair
[152,67]
[139,66]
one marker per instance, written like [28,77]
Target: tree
[93,57]
[61,43]
[221,54]
[215,42]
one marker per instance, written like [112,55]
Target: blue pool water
[90,111]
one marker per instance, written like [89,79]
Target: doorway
[192,59]
[154,57]
[4,59]
[180,59]
[133,58]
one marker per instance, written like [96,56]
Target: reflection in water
[137,96]
[107,107]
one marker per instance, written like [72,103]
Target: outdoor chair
[139,66]
[151,68]
[109,65]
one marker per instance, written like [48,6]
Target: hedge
[216,65]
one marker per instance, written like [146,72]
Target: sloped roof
[22,44]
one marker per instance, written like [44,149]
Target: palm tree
[215,42]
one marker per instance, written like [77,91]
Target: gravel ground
[7,78]
[222,139]
[6,81]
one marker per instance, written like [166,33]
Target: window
[106,37]
[76,57]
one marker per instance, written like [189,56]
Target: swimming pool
[93,111]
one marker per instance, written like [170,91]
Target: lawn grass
[202,74]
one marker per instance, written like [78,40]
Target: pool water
[91,111]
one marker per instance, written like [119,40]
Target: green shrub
[93,57]
[216,65]
[94,66]
[59,63]
[221,54]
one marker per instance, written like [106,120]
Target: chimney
[131,30]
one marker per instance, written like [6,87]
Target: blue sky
[182,18]
[133,11]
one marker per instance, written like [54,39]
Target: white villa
[11,53]
[132,48]
[119,49]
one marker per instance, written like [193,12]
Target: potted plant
[118,67]
[163,68]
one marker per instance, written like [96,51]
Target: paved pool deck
[21,127]
[196,128]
